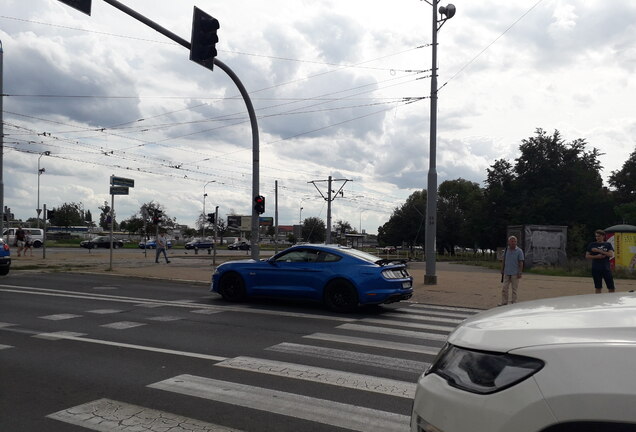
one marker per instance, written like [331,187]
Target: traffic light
[204,38]
[211,217]
[259,204]
[50,214]
[156,217]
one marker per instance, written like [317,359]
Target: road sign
[80,5]
[122,181]
[118,190]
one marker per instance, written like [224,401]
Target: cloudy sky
[340,89]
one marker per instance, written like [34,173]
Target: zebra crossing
[381,344]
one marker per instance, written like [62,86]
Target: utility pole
[329,199]
[276,216]
[1,144]
[430,278]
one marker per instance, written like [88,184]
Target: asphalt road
[103,353]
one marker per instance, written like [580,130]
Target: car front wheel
[232,287]
[341,296]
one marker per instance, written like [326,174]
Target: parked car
[199,243]
[101,242]
[5,258]
[37,235]
[152,244]
[239,246]
[342,278]
[556,365]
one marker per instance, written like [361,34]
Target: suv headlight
[482,372]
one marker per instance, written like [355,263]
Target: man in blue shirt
[600,252]
[511,270]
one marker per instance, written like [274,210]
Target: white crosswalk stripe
[373,360]
[323,411]
[397,346]
[399,323]
[445,308]
[394,332]
[105,415]
[321,375]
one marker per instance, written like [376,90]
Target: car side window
[328,257]
[299,256]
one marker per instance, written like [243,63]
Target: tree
[459,207]
[406,224]
[314,230]
[624,182]
[68,214]
[552,183]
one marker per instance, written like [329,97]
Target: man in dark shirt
[600,252]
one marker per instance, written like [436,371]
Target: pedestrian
[162,245]
[600,252]
[28,244]
[20,239]
[511,270]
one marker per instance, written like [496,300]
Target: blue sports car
[342,278]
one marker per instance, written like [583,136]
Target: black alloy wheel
[232,287]
[341,296]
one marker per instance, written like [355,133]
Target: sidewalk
[457,284]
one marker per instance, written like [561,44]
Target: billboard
[239,223]
[624,250]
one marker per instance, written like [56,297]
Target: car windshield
[360,254]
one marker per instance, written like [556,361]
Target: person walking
[600,252]
[28,244]
[162,245]
[20,239]
[511,270]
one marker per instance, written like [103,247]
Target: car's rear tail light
[5,247]
[395,273]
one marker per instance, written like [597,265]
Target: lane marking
[59,317]
[407,324]
[69,336]
[325,376]
[373,360]
[106,415]
[165,318]
[393,332]
[105,311]
[58,335]
[460,315]
[323,411]
[448,308]
[2,347]
[375,343]
[423,317]
[123,325]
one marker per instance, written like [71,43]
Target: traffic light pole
[248,102]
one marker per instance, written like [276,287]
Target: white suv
[557,365]
[37,236]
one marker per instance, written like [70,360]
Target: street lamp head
[47,153]
[41,170]
[448,11]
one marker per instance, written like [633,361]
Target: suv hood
[594,318]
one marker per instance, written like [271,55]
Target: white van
[37,236]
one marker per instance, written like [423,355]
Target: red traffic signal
[204,38]
[259,204]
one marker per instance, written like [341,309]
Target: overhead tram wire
[490,44]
